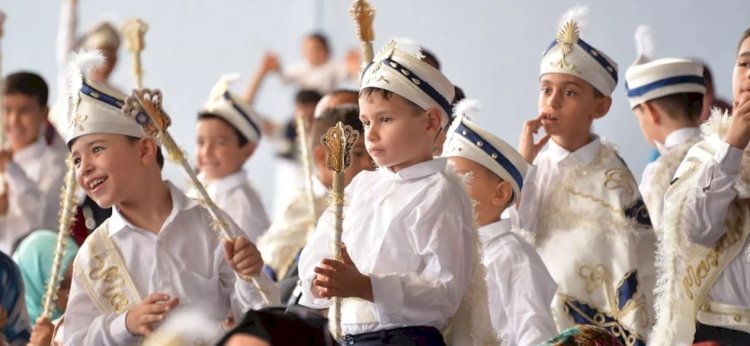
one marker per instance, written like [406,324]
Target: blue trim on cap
[488,149]
[641,90]
[247,117]
[421,84]
[598,57]
[88,90]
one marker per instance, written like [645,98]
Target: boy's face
[314,51]
[741,75]
[104,165]
[482,189]
[218,151]
[397,135]
[568,105]
[23,118]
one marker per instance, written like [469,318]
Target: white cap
[466,139]
[101,36]
[94,108]
[650,79]
[571,55]
[399,68]
[231,108]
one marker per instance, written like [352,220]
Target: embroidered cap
[231,108]
[94,108]
[399,68]
[466,139]
[648,79]
[101,36]
[569,54]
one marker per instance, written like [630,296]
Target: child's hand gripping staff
[145,106]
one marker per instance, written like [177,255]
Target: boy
[33,171]
[704,256]
[520,288]
[157,252]
[667,97]
[580,200]
[287,236]
[228,132]
[397,284]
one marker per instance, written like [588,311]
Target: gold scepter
[338,142]
[304,151]
[134,30]
[363,15]
[145,107]
[67,215]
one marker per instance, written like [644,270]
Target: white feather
[409,47]
[223,85]
[579,14]
[80,65]
[644,41]
[467,108]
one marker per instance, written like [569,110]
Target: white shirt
[184,260]
[704,220]
[411,232]
[323,79]
[35,179]
[238,198]
[520,287]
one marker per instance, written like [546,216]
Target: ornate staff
[68,204]
[304,151]
[363,15]
[145,106]
[133,30]
[338,142]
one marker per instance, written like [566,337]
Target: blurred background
[490,48]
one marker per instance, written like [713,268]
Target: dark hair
[241,139]
[745,35]
[386,94]
[320,37]
[347,114]
[460,95]
[681,106]
[159,155]
[430,58]
[307,97]
[29,84]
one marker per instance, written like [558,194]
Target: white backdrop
[491,48]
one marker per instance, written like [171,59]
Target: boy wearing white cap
[704,253]
[408,234]
[228,131]
[157,252]
[667,97]
[579,199]
[520,287]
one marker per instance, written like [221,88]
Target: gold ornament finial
[338,142]
[566,38]
[134,31]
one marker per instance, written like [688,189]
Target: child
[520,288]
[33,171]
[288,235]
[14,321]
[704,256]
[228,132]
[667,97]
[157,252]
[397,284]
[579,199]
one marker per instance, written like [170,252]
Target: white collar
[680,136]
[583,156]
[180,202]
[418,170]
[494,229]
[30,152]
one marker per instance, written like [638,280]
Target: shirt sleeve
[317,248]
[524,215]
[439,230]
[706,212]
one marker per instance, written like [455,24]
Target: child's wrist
[366,289]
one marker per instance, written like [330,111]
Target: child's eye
[545,90]
[570,93]
[366,123]
[743,63]
[77,161]
[386,119]
[97,149]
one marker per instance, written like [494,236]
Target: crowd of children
[450,235]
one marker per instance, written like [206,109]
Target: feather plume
[578,14]
[409,47]
[222,85]
[80,65]
[644,42]
[467,108]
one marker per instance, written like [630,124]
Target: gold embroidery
[111,275]
[618,179]
[594,277]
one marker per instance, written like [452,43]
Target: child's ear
[248,149]
[602,106]
[433,121]
[147,150]
[503,194]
